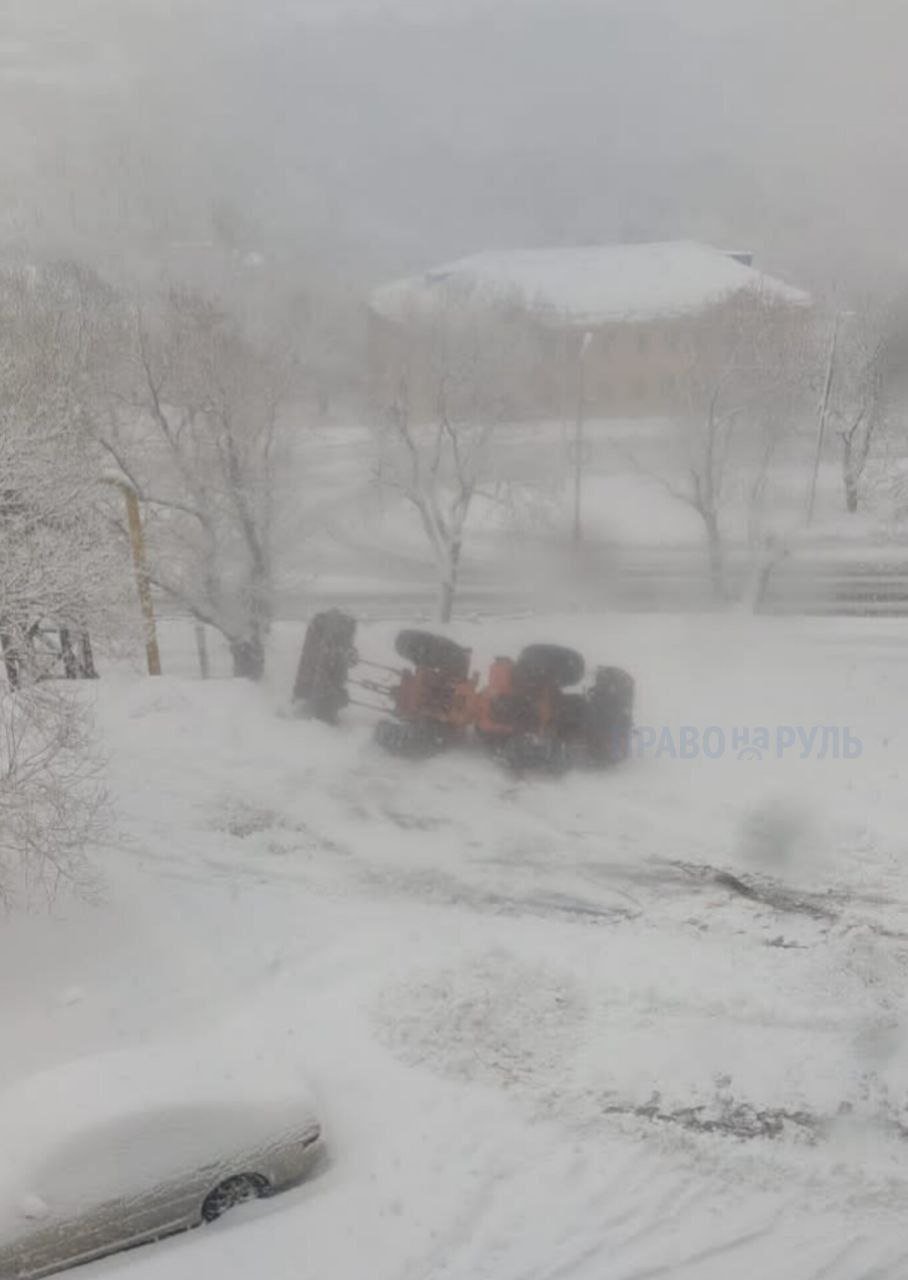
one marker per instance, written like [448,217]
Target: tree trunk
[849,474]
[448,587]
[68,655]
[201,646]
[716,556]
[10,660]
[88,668]
[248,657]
[446,601]
[770,555]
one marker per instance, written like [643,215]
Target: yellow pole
[137,542]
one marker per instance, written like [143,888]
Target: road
[542,577]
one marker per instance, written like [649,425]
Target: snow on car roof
[588,285]
[41,1111]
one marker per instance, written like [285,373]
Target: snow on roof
[594,285]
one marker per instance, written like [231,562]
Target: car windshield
[453,639]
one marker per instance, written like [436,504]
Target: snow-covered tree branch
[59,568]
[193,425]
[59,564]
[52,802]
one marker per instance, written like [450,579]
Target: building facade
[618,330]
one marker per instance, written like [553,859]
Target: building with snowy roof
[637,316]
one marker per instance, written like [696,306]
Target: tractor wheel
[424,649]
[546,665]
[515,712]
[413,739]
[320,689]
[535,753]
[570,716]
[609,718]
[616,684]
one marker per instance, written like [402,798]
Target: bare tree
[865,384]
[193,426]
[744,381]
[458,377]
[741,380]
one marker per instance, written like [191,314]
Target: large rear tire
[570,716]
[424,649]
[320,688]
[610,716]
[548,666]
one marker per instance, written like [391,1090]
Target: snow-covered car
[112,1152]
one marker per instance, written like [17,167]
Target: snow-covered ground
[642,1024]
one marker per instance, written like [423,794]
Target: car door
[57,1229]
[27,1232]
[121,1184]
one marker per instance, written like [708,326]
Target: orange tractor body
[521,712]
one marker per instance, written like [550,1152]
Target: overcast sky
[377,137]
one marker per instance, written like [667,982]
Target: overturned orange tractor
[531,710]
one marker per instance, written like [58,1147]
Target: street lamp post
[140,567]
[143,582]
[578,438]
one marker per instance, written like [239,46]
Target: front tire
[413,739]
[536,753]
[239,1189]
